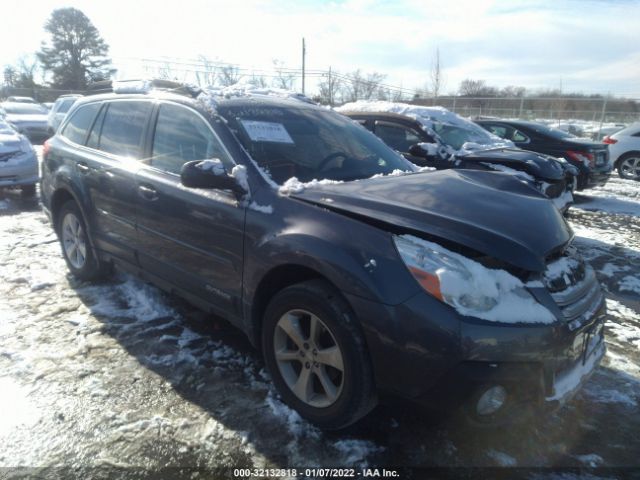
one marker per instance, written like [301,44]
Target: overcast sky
[590,45]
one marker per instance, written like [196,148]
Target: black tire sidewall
[339,319]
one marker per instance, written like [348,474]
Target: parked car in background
[29,119]
[591,158]
[18,161]
[59,110]
[21,100]
[436,137]
[624,150]
[355,274]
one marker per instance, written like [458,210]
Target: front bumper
[20,173]
[444,361]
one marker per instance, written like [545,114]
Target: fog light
[491,401]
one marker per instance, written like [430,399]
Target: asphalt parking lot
[119,374]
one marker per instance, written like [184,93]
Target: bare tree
[329,87]
[284,78]
[258,81]
[437,77]
[207,76]
[229,75]
[361,86]
[10,76]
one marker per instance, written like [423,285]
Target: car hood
[36,118]
[543,167]
[9,142]
[492,213]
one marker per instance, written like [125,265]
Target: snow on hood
[433,119]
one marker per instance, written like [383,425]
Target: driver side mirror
[209,174]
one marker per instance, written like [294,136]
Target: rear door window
[123,128]
[80,122]
[397,137]
[182,136]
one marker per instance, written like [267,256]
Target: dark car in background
[353,274]
[427,148]
[591,158]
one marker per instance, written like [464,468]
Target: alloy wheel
[73,241]
[309,358]
[630,167]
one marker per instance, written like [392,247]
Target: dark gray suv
[353,273]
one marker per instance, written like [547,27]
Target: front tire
[316,354]
[629,166]
[76,244]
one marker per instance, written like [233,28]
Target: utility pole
[330,88]
[304,54]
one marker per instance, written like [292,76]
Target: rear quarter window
[78,125]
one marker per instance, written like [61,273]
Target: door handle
[83,168]
[148,192]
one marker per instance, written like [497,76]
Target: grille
[554,190]
[7,155]
[577,291]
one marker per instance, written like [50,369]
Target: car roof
[519,123]
[384,115]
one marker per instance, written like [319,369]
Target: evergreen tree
[75,54]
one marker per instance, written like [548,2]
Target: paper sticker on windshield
[266,131]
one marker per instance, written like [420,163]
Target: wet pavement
[119,374]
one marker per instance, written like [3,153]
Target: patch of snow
[244,89]
[561,268]
[630,284]
[137,86]
[15,406]
[239,172]
[267,209]
[464,282]
[502,458]
[569,381]
[213,165]
[296,425]
[356,452]
[609,269]
[293,185]
[590,460]
[512,171]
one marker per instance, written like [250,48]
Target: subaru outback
[354,274]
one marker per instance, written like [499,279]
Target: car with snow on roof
[435,137]
[356,275]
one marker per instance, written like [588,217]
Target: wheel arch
[625,155]
[274,281]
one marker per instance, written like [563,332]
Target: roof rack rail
[142,86]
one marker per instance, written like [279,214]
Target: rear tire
[77,245]
[629,166]
[315,352]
